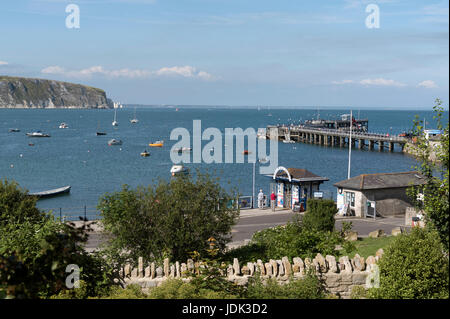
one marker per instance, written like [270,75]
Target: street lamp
[263,160]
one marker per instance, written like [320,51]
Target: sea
[76,156]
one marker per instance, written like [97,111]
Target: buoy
[12,166]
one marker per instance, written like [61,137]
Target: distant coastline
[33,93]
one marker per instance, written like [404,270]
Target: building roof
[383,180]
[300,175]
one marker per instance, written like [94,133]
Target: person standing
[260,199]
[273,199]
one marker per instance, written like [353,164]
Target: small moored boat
[114,142]
[52,192]
[178,170]
[37,134]
[14,130]
[145,153]
[63,125]
[157,144]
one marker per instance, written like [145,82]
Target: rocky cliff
[17,92]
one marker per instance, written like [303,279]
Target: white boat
[115,123]
[178,169]
[114,142]
[37,134]
[182,149]
[134,120]
[52,192]
[287,138]
[261,133]
[63,125]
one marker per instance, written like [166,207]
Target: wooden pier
[338,138]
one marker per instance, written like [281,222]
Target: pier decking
[333,137]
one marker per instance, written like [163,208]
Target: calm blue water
[77,157]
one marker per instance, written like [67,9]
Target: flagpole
[350,145]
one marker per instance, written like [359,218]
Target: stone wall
[339,276]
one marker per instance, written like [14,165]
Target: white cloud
[428,84]
[371,82]
[343,82]
[3,63]
[183,71]
[381,82]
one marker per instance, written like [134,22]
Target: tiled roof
[382,180]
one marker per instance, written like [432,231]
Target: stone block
[236,267]
[287,266]
[396,231]
[332,265]
[351,236]
[376,233]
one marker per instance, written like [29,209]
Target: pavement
[253,220]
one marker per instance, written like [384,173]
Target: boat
[14,130]
[63,125]
[287,138]
[145,153]
[114,142]
[37,134]
[178,170]
[261,133]
[115,123]
[246,152]
[157,144]
[182,149]
[52,192]
[134,120]
[98,130]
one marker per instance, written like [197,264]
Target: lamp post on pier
[263,160]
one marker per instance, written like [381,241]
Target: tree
[436,172]
[413,267]
[35,250]
[16,205]
[169,219]
[320,215]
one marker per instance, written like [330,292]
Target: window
[350,198]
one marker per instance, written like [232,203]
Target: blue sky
[236,52]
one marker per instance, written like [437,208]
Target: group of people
[273,200]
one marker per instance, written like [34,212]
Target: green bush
[308,287]
[177,289]
[319,215]
[413,267]
[291,240]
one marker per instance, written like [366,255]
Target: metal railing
[355,135]
[74,213]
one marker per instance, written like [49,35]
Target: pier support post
[371,144]
[360,143]
[391,146]
[341,141]
[380,145]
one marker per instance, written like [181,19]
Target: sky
[236,52]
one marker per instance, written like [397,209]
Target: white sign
[318,194]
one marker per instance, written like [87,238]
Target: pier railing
[355,134]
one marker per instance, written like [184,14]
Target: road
[253,220]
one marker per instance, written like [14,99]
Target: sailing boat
[98,131]
[134,120]
[115,123]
